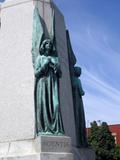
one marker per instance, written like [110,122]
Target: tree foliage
[102,141]
[117,153]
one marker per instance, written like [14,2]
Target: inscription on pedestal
[50,145]
[53,144]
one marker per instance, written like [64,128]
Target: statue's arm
[37,68]
[58,71]
[57,68]
[81,92]
[40,69]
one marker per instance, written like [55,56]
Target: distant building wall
[115,129]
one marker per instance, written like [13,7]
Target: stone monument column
[16,72]
[17,128]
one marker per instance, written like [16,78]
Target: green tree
[93,136]
[117,153]
[102,141]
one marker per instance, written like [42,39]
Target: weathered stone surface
[41,156]
[44,148]
[54,156]
[53,144]
[23,157]
[83,154]
[17,148]
[16,72]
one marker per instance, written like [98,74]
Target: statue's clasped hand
[56,68]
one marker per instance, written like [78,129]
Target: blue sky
[94,27]
[2,0]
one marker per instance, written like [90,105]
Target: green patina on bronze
[38,34]
[79,108]
[47,73]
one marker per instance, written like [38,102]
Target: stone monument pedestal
[83,153]
[40,148]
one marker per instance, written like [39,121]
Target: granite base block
[83,154]
[42,148]
[56,156]
[53,144]
[25,157]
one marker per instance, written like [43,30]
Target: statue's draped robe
[79,112]
[48,117]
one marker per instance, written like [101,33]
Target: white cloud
[104,106]
[100,63]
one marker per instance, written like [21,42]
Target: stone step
[41,144]
[41,156]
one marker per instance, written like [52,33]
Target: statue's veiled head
[77,71]
[46,47]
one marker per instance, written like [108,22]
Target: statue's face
[48,46]
[77,71]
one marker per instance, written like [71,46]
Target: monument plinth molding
[43,147]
